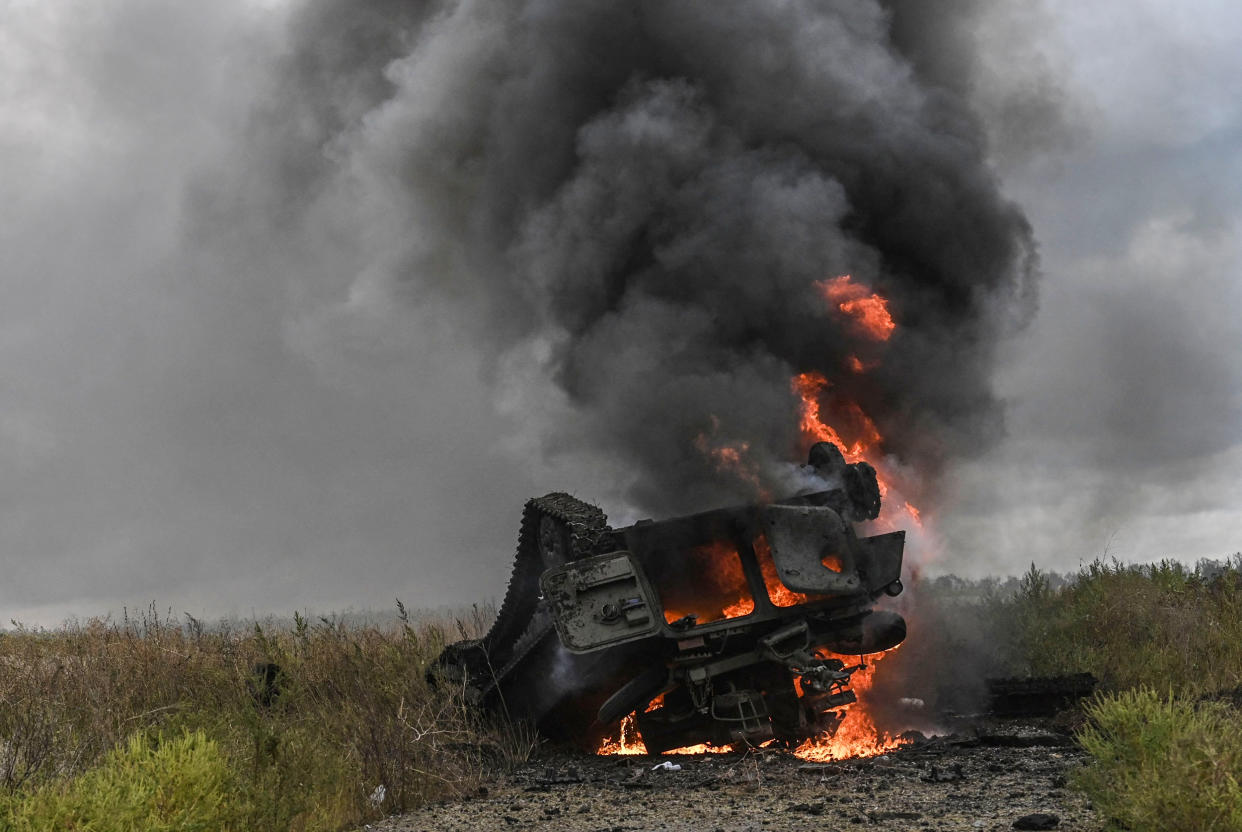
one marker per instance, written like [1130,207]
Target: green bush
[1162,763]
[181,784]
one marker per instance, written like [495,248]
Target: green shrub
[1163,764]
[181,784]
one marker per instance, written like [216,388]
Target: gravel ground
[985,779]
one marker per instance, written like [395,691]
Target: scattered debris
[772,791]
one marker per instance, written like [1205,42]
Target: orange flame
[721,593]
[628,742]
[810,387]
[867,444]
[780,595]
[857,734]
[868,310]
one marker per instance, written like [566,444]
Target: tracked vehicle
[727,627]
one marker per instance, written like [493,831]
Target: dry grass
[350,710]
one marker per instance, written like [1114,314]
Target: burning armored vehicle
[726,627]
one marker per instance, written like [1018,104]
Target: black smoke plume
[634,201]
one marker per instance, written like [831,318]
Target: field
[156,723]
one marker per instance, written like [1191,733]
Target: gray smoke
[635,201]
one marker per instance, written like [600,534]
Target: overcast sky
[243,421]
[1125,422]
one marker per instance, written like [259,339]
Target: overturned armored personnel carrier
[713,628]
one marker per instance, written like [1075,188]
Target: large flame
[725,594]
[865,437]
[859,440]
[857,734]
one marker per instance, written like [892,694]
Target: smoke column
[633,203]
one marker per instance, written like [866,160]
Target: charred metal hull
[716,627]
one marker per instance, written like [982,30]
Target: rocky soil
[996,777]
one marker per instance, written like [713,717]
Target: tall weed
[1164,625]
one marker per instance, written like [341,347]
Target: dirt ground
[987,778]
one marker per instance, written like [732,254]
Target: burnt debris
[1038,696]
